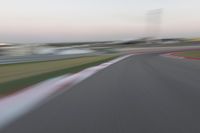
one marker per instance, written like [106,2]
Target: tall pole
[153,22]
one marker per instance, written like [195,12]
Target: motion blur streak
[144,93]
[16,105]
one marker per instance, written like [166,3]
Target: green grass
[18,71]
[193,54]
[195,39]
[71,66]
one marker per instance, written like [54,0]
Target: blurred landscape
[12,50]
[23,65]
[99,66]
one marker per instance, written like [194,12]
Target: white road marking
[18,104]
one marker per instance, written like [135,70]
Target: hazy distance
[93,20]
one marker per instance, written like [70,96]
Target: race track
[145,93]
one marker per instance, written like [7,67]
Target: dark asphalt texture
[141,94]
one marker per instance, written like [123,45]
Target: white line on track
[20,103]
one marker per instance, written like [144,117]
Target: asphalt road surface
[141,94]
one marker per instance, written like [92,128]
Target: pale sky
[91,20]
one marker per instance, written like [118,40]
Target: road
[141,94]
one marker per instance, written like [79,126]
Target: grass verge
[18,84]
[191,54]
